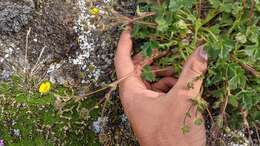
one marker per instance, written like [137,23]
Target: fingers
[123,61]
[165,72]
[190,80]
[139,59]
[158,72]
[164,85]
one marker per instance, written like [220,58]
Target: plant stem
[251,14]
[257,133]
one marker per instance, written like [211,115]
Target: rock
[14,16]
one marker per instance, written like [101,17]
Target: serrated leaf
[177,4]
[163,25]
[200,103]
[236,75]
[226,46]
[147,74]
[140,31]
[147,48]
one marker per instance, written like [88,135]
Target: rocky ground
[56,41]
[49,39]
[71,54]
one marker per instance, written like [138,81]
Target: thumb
[191,78]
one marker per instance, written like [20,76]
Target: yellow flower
[94,11]
[45,87]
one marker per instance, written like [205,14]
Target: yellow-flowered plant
[94,11]
[45,87]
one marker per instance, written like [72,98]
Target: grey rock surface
[14,16]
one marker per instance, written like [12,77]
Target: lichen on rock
[14,16]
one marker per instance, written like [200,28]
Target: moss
[29,118]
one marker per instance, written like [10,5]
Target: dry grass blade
[26,49]
[38,61]
[251,70]
[257,133]
[251,13]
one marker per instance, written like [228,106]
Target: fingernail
[203,54]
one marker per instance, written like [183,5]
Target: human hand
[157,111]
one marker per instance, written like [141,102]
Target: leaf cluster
[230,30]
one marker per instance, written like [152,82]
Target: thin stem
[143,16]
[223,109]
[26,46]
[246,124]
[211,33]
[251,14]
[188,112]
[257,133]
[210,115]
[198,7]
[150,24]
[38,60]
[244,5]
[248,68]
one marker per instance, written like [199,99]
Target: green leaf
[215,3]
[236,75]
[212,50]
[185,129]
[147,48]
[241,38]
[226,46]
[220,49]
[253,52]
[147,74]
[198,121]
[200,103]
[233,100]
[177,4]
[140,31]
[163,25]
[237,8]
[226,7]
[181,25]
[258,6]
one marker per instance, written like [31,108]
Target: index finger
[123,61]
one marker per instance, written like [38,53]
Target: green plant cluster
[29,118]
[230,31]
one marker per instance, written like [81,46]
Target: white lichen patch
[97,125]
[85,39]
[90,42]
[236,137]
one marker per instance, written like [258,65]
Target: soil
[51,24]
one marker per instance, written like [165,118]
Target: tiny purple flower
[2,142]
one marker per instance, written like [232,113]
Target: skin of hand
[156,112]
